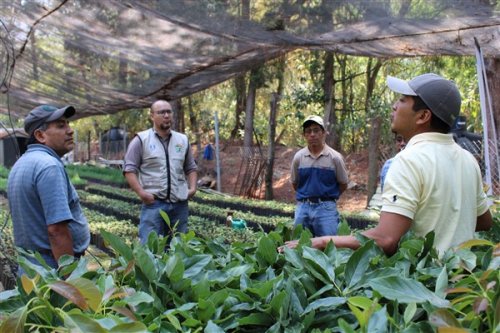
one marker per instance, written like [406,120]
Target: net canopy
[109,56]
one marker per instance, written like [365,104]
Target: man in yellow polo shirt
[433,184]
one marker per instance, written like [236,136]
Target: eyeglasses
[314,130]
[163,112]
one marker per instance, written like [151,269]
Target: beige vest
[162,171]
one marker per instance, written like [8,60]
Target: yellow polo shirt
[438,185]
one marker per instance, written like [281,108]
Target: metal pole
[217,160]
[485,101]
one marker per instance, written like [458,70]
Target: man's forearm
[133,182]
[61,241]
[192,177]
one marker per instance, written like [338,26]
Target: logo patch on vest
[394,198]
[178,147]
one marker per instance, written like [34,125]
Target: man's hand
[316,242]
[146,197]
[321,242]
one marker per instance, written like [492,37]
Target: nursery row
[125,210]
[114,178]
[229,203]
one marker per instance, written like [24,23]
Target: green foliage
[110,175]
[201,284]
[4,172]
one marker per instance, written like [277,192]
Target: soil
[233,172]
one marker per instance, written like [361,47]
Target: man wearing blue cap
[433,184]
[46,213]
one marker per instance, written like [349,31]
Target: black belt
[318,199]
[49,252]
[165,199]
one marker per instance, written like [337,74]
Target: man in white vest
[160,168]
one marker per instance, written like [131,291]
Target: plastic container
[238,224]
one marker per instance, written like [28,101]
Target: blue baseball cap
[45,114]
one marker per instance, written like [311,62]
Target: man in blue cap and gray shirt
[433,184]
[46,213]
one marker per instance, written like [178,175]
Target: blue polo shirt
[40,193]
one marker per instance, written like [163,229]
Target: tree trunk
[178,112]
[34,57]
[493,77]
[239,82]
[122,72]
[240,87]
[342,62]
[375,129]
[274,105]
[249,111]
[329,102]
[196,129]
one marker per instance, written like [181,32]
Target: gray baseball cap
[440,95]
[45,114]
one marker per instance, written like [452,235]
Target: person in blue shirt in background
[400,145]
[319,176]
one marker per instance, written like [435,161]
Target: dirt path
[353,200]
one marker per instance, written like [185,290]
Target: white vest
[162,171]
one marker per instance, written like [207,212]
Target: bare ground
[232,174]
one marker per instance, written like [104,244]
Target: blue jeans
[320,218]
[49,259]
[151,219]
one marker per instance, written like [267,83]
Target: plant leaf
[378,321]
[266,249]
[344,325]
[195,264]
[8,294]
[80,323]
[135,327]
[15,322]
[69,291]
[320,265]
[443,318]
[442,283]
[206,309]
[358,263]
[146,263]
[138,298]
[89,290]
[409,313]
[259,319]
[406,290]
[174,268]
[117,244]
[325,304]
[27,283]
[475,242]
[212,328]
